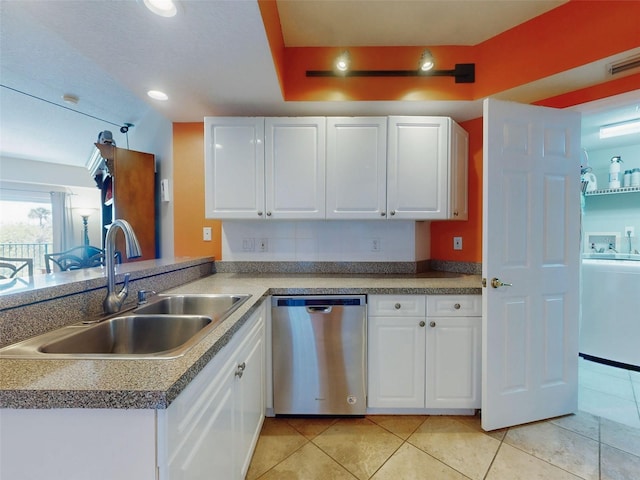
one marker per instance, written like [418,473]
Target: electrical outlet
[457,243]
[375,244]
[206,234]
[248,245]
[263,245]
[629,231]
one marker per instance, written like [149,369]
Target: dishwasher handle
[323,309]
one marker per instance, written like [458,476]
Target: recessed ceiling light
[164,8]
[158,95]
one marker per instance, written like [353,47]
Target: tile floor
[609,392]
[598,443]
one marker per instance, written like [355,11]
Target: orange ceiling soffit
[571,35]
[271,20]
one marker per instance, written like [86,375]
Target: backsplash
[325,241]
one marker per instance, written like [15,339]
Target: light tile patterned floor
[599,446]
[609,392]
[377,447]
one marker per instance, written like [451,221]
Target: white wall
[325,241]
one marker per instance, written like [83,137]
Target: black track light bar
[463,73]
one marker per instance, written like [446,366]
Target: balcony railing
[27,250]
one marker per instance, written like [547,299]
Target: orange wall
[470,230]
[188,195]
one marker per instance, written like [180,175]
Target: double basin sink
[165,327]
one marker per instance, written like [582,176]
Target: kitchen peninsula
[135,394]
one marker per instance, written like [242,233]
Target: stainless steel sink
[130,335]
[166,327]
[214,306]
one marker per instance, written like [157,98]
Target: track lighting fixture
[463,72]
[343,62]
[426,61]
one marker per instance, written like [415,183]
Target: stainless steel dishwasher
[319,355]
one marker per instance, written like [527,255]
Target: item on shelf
[635,177]
[627,178]
[592,182]
[614,172]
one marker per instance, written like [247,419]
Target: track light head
[426,61]
[343,62]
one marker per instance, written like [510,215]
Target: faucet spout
[114,300]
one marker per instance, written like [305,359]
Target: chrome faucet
[113,301]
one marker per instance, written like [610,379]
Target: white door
[531,214]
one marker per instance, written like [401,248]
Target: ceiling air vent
[631,63]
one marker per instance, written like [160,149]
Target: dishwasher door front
[319,355]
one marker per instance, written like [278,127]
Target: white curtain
[62,222]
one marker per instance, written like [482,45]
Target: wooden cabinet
[335,168]
[426,169]
[257,168]
[128,192]
[215,422]
[424,351]
[356,167]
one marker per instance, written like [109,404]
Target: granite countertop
[154,384]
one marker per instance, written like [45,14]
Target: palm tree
[42,214]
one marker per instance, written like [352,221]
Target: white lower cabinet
[211,429]
[424,351]
[208,432]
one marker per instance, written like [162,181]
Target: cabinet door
[417,167]
[295,167]
[250,394]
[356,167]
[396,358]
[459,176]
[208,447]
[234,167]
[453,362]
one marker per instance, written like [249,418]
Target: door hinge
[484,283]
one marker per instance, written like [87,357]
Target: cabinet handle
[397,306]
[393,212]
[259,214]
[240,370]
[432,324]
[422,324]
[455,214]
[382,214]
[457,306]
[268,214]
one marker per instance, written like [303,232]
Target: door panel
[531,213]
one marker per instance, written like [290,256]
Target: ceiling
[213,58]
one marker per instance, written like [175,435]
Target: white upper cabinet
[234,167]
[422,174]
[356,167]
[295,167]
[305,168]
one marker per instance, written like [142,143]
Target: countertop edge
[194,361]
